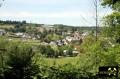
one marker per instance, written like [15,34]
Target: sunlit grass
[59,61]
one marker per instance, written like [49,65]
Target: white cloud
[64,14]
[65,17]
[43,2]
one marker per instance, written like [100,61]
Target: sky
[67,12]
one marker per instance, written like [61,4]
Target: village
[65,39]
[76,36]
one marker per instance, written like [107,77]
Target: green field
[6,26]
[59,61]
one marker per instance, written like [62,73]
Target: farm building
[2,32]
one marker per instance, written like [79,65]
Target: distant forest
[56,26]
[12,22]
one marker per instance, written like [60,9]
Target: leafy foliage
[112,21]
[114,4]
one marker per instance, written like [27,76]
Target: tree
[112,21]
[20,63]
[114,4]
[112,25]
[23,22]
[19,28]
[48,51]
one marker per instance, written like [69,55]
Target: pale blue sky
[68,12]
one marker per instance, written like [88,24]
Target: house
[26,36]
[44,43]
[68,38]
[76,36]
[69,33]
[59,42]
[65,42]
[2,32]
[52,43]
[19,34]
[85,34]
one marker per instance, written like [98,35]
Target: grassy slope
[59,61]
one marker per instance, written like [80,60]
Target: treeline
[75,28]
[23,26]
[12,22]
